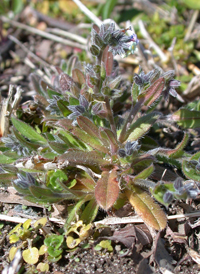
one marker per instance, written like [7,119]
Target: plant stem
[110,115]
[133,112]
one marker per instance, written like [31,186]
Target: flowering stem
[98,74]
[110,116]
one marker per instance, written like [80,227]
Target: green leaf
[178,151]
[62,105]
[54,241]
[52,92]
[28,131]
[69,139]
[24,142]
[7,177]
[107,189]
[31,255]
[54,252]
[108,8]
[141,126]
[17,6]
[58,147]
[145,173]
[135,92]
[187,118]
[72,214]
[160,189]
[89,212]
[6,160]
[189,170]
[192,4]
[88,139]
[146,207]
[46,194]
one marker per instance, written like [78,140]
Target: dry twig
[43,33]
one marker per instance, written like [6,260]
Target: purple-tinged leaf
[78,76]
[86,180]
[146,208]
[107,189]
[110,139]
[41,100]
[95,27]
[65,80]
[88,82]
[152,93]
[35,80]
[88,126]
[107,59]
[66,124]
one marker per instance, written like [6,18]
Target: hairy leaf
[189,170]
[6,160]
[46,194]
[28,131]
[62,105]
[86,180]
[110,138]
[178,151]
[58,147]
[141,126]
[72,214]
[152,93]
[24,142]
[90,212]
[78,76]
[88,126]
[85,137]
[78,157]
[145,173]
[187,118]
[35,80]
[146,208]
[107,189]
